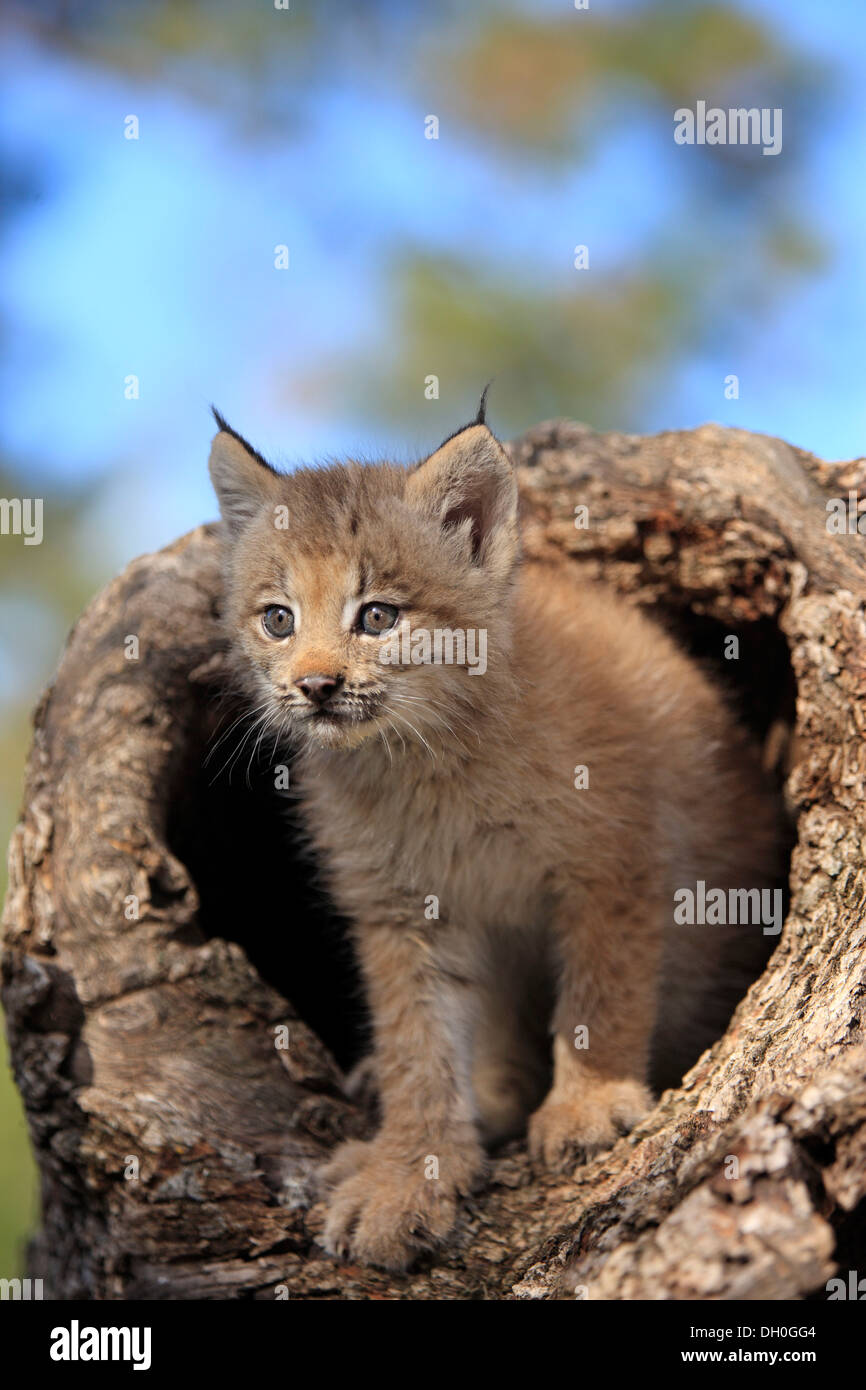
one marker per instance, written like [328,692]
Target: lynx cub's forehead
[347,525]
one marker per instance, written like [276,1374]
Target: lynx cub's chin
[439,696]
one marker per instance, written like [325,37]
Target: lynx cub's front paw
[568,1128]
[385,1209]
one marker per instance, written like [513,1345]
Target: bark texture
[156,931]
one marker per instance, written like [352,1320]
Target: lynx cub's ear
[469,483]
[244,482]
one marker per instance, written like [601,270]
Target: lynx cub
[497,898]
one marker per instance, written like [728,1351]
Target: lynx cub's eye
[278,622]
[377,617]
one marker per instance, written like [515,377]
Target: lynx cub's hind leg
[610,954]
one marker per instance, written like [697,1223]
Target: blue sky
[155,257]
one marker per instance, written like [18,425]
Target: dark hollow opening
[238,837]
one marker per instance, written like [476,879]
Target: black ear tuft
[221,422]
[481,417]
[225,427]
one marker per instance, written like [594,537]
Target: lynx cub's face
[335,575]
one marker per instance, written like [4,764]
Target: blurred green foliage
[17,1172]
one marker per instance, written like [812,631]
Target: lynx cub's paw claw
[565,1130]
[387,1211]
[362,1085]
[363,1077]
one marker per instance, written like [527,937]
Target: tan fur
[555,904]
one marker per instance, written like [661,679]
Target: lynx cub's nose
[319,688]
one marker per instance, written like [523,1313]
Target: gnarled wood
[151,898]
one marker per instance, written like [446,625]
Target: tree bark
[160,918]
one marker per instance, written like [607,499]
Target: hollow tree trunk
[177,1136]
